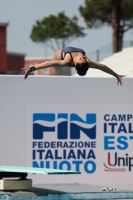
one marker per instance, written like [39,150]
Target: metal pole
[97,55]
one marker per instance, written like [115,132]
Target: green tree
[115,13]
[56,31]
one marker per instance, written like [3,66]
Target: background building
[11,63]
[29,62]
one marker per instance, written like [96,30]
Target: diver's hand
[27,72]
[119,78]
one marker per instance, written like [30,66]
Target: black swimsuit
[70,50]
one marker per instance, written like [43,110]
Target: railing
[106,51]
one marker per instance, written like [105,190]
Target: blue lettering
[56,155]
[71,154]
[89,166]
[39,130]
[82,154]
[34,154]
[121,140]
[114,118]
[105,128]
[34,144]
[91,154]
[65,145]
[62,127]
[131,137]
[112,127]
[35,164]
[122,117]
[108,140]
[59,144]
[40,153]
[53,145]
[46,144]
[122,128]
[55,164]
[77,164]
[80,144]
[93,145]
[47,164]
[49,155]
[129,117]
[64,153]
[75,129]
[106,117]
[65,163]
[40,145]
[93,167]
[130,128]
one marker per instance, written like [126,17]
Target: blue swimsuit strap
[71,57]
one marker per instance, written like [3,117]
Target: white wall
[19,98]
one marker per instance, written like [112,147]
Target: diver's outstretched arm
[104,68]
[51,63]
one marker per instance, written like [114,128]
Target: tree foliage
[59,30]
[115,13]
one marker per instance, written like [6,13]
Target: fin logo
[58,123]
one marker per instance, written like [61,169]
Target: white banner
[94,139]
[83,124]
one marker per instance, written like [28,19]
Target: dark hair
[82,68]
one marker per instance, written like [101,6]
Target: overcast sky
[22,14]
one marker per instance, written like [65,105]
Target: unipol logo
[63,124]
